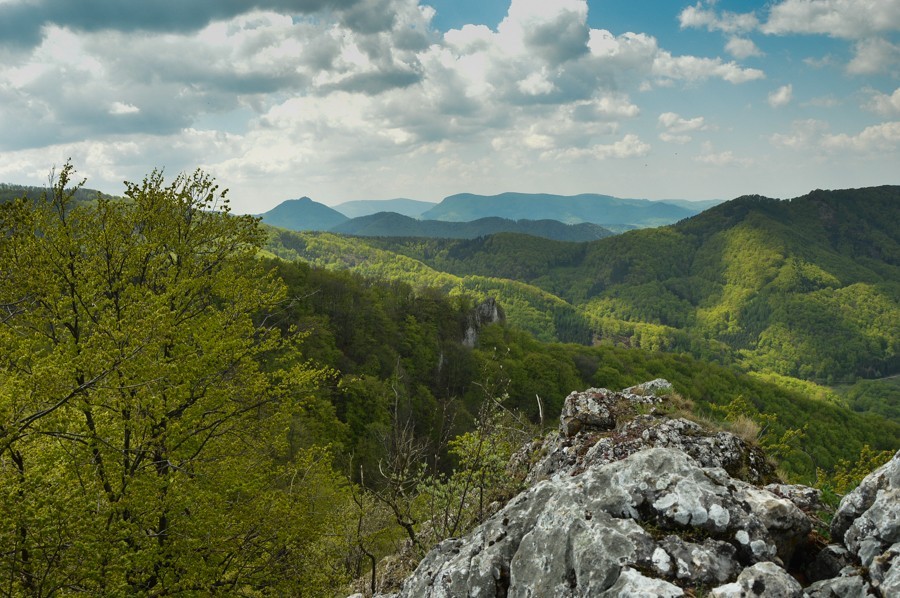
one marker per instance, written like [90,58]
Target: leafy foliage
[848,473]
[878,396]
[142,448]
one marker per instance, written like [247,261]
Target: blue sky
[373,99]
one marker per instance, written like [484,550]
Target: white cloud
[873,56]
[884,104]
[735,25]
[469,39]
[820,63]
[729,22]
[868,23]
[541,53]
[354,100]
[106,163]
[803,135]
[726,158]
[693,68]
[119,108]
[674,123]
[536,84]
[609,107]
[877,138]
[813,135]
[741,48]
[552,31]
[781,97]
[677,129]
[630,146]
[827,101]
[848,19]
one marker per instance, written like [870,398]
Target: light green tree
[142,448]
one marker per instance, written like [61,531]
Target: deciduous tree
[142,448]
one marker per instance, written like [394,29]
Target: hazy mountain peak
[303,214]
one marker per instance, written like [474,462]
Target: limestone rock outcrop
[601,426]
[626,501]
[867,526]
[574,536]
[486,312]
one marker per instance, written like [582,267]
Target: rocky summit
[628,500]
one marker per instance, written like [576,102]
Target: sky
[345,100]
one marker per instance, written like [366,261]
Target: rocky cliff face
[486,312]
[625,501]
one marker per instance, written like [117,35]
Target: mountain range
[807,288]
[588,207]
[485,215]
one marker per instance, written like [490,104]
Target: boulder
[599,408]
[872,506]
[766,580]
[626,501]
[851,585]
[868,524]
[601,426]
[577,535]
[711,563]
[808,500]
[632,583]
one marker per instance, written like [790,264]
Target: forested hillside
[384,338]
[803,289]
[387,224]
[181,414]
[10,192]
[543,314]
[808,287]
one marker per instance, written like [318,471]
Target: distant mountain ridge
[304,214]
[604,210]
[509,213]
[367,207]
[388,224]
